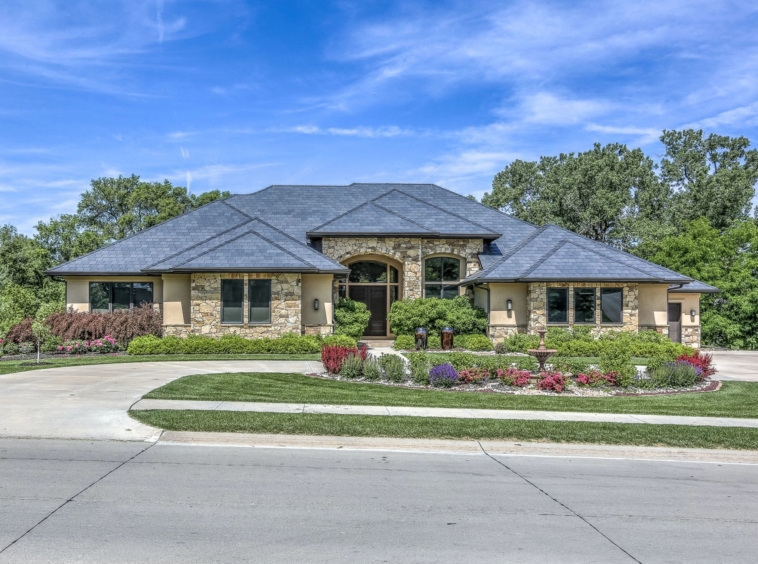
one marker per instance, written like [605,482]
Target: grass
[735,399]
[447,428]
[10,366]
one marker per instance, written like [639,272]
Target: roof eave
[424,235]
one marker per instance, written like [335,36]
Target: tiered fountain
[542,353]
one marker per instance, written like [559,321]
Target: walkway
[736,365]
[91,402]
[443,412]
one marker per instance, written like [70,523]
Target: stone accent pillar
[536,302]
[691,336]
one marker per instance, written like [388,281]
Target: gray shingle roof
[694,287]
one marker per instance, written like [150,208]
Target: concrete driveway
[91,402]
[736,365]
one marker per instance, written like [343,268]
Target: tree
[609,193]
[22,259]
[65,238]
[712,177]
[16,303]
[727,259]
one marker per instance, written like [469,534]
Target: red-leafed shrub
[554,381]
[514,377]
[122,325]
[697,359]
[473,375]
[332,356]
[596,379]
[21,332]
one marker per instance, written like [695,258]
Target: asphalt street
[83,501]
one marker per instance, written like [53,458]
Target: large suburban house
[277,260]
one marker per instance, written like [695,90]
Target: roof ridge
[340,216]
[310,249]
[137,233]
[235,208]
[373,203]
[536,264]
[169,257]
[290,253]
[444,210]
[216,247]
[517,247]
[484,205]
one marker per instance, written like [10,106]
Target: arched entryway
[376,281]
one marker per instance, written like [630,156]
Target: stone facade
[176,330]
[691,336]
[206,305]
[322,330]
[410,252]
[498,333]
[537,306]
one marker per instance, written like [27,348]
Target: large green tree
[609,193]
[727,259]
[712,177]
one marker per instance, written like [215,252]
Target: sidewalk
[443,412]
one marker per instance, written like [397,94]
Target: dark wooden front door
[375,298]
[675,322]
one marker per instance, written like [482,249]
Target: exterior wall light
[509,305]
[315,304]
[693,313]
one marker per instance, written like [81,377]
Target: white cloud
[386,131]
[185,152]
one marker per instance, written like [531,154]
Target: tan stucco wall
[653,306]
[499,295]
[689,302]
[176,299]
[480,298]
[77,288]
[317,286]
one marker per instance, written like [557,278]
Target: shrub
[472,376]
[618,360]
[443,376]
[677,374]
[572,365]
[699,360]
[351,318]
[473,342]
[21,332]
[514,377]
[102,346]
[462,361]
[228,344]
[393,366]
[435,314]
[352,366]
[404,343]
[518,343]
[332,356]
[420,366]
[10,348]
[122,325]
[553,381]
[341,340]
[26,348]
[596,379]
[372,370]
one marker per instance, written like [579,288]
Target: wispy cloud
[387,131]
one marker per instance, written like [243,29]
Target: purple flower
[443,375]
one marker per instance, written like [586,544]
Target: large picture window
[259,296]
[611,302]
[442,276]
[232,297]
[557,305]
[584,305]
[105,297]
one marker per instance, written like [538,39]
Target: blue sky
[239,95]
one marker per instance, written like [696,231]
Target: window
[105,297]
[232,296]
[611,304]
[259,296]
[441,277]
[557,305]
[584,305]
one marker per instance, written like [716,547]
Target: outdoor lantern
[693,313]
[315,304]
[509,305]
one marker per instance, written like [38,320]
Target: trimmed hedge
[235,344]
[351,318]
[580,342]
[470,342]
[435,314]
[465,361]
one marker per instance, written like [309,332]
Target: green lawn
[10,366]
[446,428]
[735,399]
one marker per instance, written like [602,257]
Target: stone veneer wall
[497,333]
[206,305]
[537,306]
[410,252]
[691,336]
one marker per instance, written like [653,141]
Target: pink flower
[60,348]
[68,348]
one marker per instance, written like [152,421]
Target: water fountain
[542,353]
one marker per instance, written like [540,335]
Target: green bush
[351,318]
[473,342]
[518,343]
[404,343]
[618,360]
[420,366]
[339,340]
[674,375]
[435,314]
[465,361]
[393,366]
[228,344]
[573,365]
[372,369]
[352,367]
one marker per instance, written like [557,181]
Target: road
[96,502]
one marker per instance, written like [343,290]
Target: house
[276,261]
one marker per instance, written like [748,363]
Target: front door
[375,298]
[675,322]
